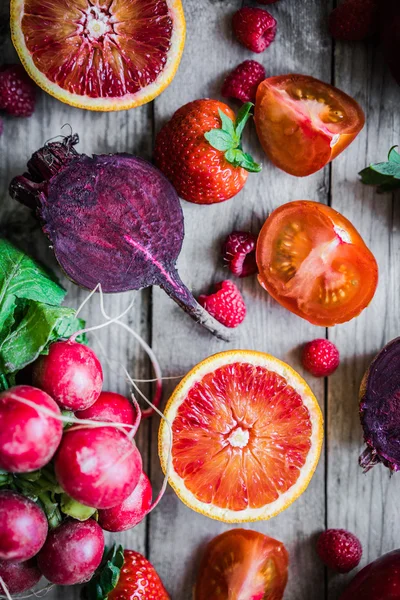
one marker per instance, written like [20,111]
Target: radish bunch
[94,463]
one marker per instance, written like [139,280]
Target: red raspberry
[17,91]
[226,304]
[243,82]
[239,251]
[320,358]
[255,28]
[354,20]
[339,550]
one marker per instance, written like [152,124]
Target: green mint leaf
[392,169]
[242,118]
[393,155]
[219,139]
[107,575]
[227,123]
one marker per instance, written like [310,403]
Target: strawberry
[354,20]
[320,358]
[243,82]
[125,575]
[239,251]
[255,28]
[339,550]
[199,150]
[17,91]
[226,304]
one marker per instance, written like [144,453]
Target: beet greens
[111,219]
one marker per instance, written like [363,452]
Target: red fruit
[255,28]
[242,565]
[226,304]
[138,580]
[243,82]
[112,407]
[354,20]
[199,167]
[99,467]
[132,510]
[390,35]
[72,552]
[19,576]
[71,373]
[320,358]
[17,91]
[28,438]
[239,251]
[23,527]
[339,550]
[380,580]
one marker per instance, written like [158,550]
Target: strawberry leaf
[107,575]
[227,139]
[385,175]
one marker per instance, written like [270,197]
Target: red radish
[132,510]
[19,576]
[110,407]
[71,373]
[72,552]
[28,437]
[23,527]
[99,466]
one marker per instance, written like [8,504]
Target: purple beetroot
[111,219]
[72,552]
[380,409]
[23,527]
[19,576]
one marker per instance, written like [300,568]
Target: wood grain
[177,535]
[365,504]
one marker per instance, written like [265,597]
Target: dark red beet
[132,510]
[380,409]
[23,527]
[71,374]
[390,34]
[111,219]
[110,407]
[72,552]
[379,580]
[19,576]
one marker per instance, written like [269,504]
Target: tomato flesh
[242,565]
[314,262]
[304,123]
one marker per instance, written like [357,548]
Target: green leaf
[227,123]
[242,118]
[219,139]
[385,175]
[393,155]
[107,575]
[75,509]
[392,169]
[238,158]
[25,343]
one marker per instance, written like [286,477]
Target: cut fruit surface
[242,565]
[100,54]
[247,435]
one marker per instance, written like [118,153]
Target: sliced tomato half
[313,261]
[304,123]
[242,565]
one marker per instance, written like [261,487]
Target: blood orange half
[100,54]
[247,435]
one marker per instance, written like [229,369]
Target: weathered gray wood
[99,133]
[177,534]
[365,504]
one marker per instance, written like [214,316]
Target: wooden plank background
[339,494]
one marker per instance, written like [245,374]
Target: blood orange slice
[247,435]
[100,54]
